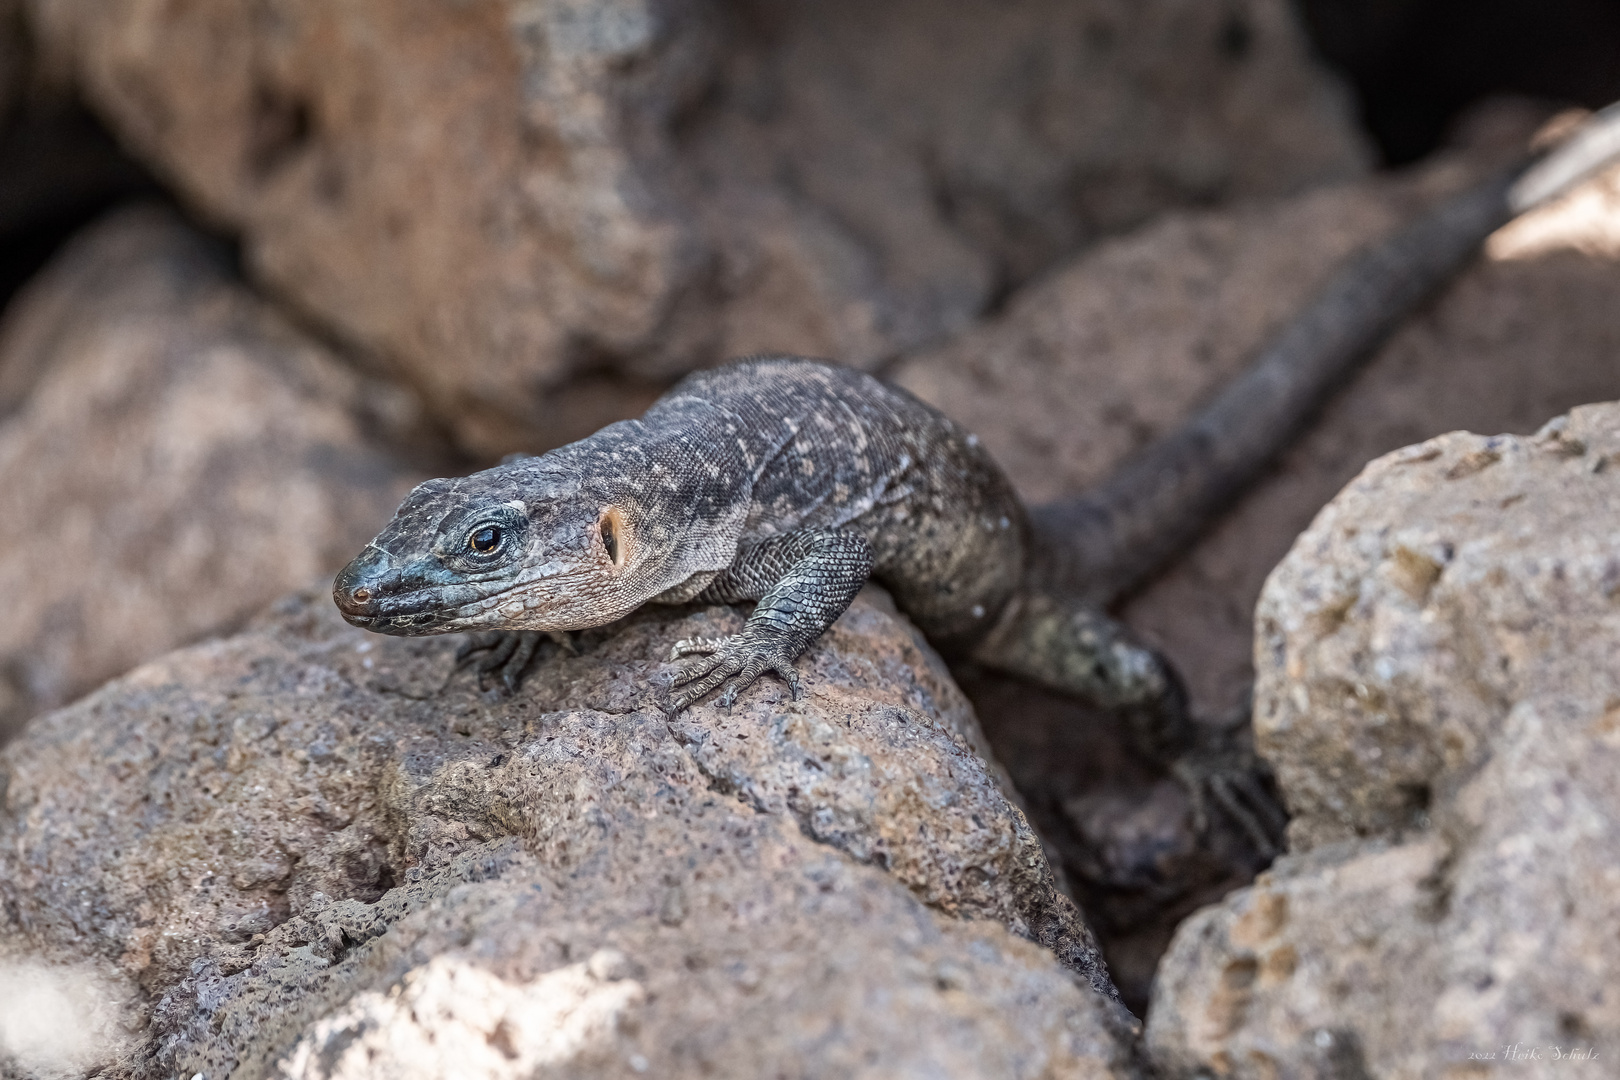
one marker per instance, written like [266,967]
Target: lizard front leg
[802,581]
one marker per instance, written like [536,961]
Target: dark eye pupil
[485,540]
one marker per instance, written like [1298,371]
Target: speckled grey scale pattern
[841,451]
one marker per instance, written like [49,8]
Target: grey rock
[318,856]
[1438,695]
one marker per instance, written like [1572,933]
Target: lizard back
[834,448]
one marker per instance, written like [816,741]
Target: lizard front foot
[735,661]
[507,654]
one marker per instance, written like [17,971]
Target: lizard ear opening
[614,539]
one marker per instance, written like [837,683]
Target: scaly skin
[777,479]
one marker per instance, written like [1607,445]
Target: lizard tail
[1106,543]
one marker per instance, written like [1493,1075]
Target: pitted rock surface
[1439,696]
[307,838]
[498,195]
[173,456]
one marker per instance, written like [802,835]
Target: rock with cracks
[309,851]
[1439,696]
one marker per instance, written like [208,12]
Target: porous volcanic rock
[173,456]
[1438,694]
[497,195]
[318,853]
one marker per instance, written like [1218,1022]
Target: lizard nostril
[362,595]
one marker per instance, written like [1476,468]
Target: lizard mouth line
[422,612]
[422,622]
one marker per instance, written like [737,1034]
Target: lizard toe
[517,665]
[700,670]
[1238,792]
[735,663]
[496,656]
[696,646]
[795,685]
[472,644]
[681,700]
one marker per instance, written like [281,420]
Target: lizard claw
[735,662]
[1240,791]
[698,645]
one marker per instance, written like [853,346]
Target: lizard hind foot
[734,662]
[1239,790]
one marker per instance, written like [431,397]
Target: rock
[1092,363]
[497,196]
[307,845]
[172,457]
[1438,695]
[1121,830]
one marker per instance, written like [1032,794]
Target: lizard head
[516,547]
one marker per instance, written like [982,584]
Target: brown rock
[306,845]
[499,195]
[1438,695]
[172,456]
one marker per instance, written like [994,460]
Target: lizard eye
[485,540]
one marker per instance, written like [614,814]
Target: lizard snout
[355,589]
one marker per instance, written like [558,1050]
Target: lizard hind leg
[1073,648]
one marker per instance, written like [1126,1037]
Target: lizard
[789,483]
